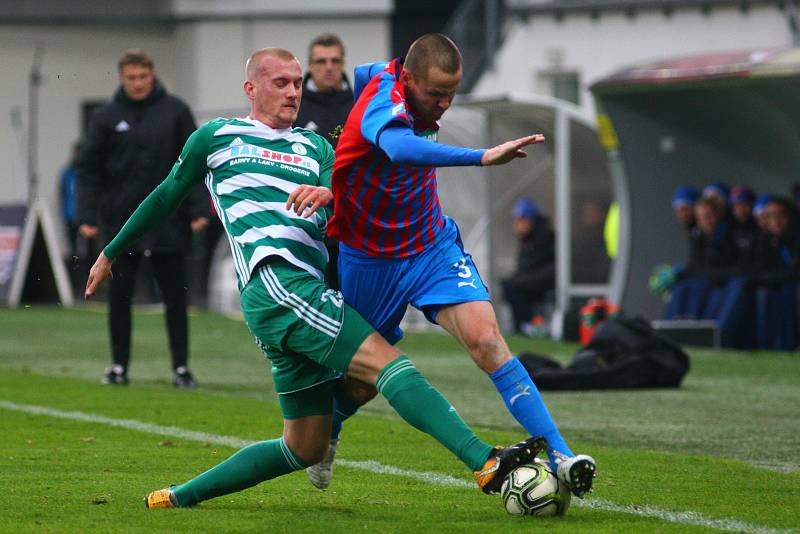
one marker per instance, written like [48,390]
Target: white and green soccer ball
[533,489]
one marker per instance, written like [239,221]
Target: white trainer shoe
[578,473]
[321,474]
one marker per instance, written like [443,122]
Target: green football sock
[424,408]
[249,466]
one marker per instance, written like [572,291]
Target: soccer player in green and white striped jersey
[270,184]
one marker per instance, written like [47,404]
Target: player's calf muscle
[308,436]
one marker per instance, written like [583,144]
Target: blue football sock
[526,405]
[343,409]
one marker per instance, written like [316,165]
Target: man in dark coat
[327,101]
[683,205]
[327,95]
[712,260]
[745,230]
[730,303]
[132,143]
[777,276]
[535,275]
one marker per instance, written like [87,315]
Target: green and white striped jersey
[250,169]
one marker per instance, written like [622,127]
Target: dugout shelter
[567,172]
[726,117]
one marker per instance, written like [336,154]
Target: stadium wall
[539,45]
[200,59]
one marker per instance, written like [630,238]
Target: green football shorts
[306,330]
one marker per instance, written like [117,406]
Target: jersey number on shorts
[334,296]
[464,272]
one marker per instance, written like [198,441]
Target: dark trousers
[776,317]
[170,274]
[523,294]
[731,305]
[688,298]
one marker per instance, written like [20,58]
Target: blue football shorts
[381,289]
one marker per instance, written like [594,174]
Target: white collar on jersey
[259,129]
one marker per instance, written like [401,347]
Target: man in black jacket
[132,143]
[777,276]
[712,260]
[744,228]
[327,96]
[536,268]
[327,100]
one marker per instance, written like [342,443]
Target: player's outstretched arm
[99,273]
[309,198]
[510,150]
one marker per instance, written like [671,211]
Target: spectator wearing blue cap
[745,229]
[524,209]
[534,276]
[718,192]
[758,209]
[711,257]
[683,205]
[742,194]
[683,201]
[730,304]
[778,275]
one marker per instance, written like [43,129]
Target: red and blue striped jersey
[382,209]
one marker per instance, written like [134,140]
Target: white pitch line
[684,518]
[129,424]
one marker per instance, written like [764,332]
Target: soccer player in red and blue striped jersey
[398,248]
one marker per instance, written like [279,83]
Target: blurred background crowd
[743,264]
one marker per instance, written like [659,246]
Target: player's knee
[487,349]
[484,341]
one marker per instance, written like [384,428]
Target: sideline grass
[66,476]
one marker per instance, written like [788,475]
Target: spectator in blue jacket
[778,274]
[683,205]
[745,230]
[758,209]
[711,256]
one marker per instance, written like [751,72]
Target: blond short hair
[252,62]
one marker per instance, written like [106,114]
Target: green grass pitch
[720,454]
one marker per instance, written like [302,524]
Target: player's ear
[249,89]
[406,78]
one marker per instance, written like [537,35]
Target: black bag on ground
[624,353]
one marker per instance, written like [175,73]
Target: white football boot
[577,473]
[321,474]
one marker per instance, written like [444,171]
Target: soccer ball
[533,489]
